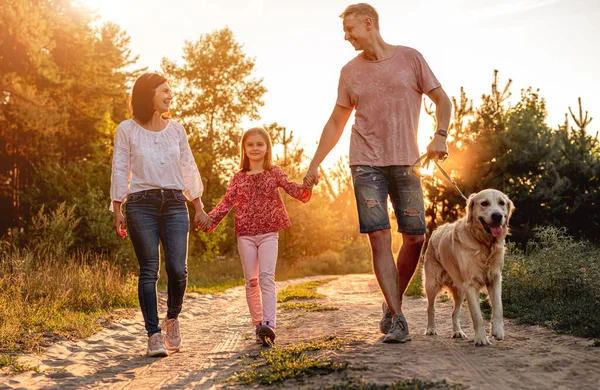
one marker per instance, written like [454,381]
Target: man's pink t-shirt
[387,97]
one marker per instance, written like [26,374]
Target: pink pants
[259,257]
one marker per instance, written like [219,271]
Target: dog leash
[437,164]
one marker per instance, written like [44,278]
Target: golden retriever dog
[466,255]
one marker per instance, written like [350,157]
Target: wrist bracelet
[443,133]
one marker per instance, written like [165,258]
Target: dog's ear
[470,205]
[511,208]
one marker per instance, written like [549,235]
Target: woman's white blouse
[146,160]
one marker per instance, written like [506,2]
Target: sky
[299,49]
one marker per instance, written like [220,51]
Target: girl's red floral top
[259,208]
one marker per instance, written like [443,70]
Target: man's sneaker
[266,334]
[173,337]
[399,331]
[156,345]
[386,322]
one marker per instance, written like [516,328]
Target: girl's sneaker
[156,345]
[266,334]
[258,339]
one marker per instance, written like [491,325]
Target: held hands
[202,220]
[311,178]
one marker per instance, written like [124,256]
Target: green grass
[43,300]
[279,364]
[16,367]
[307,306]
[306,290]
[412,384]
[415,287]
[443,297]
[6,360]
[554,282]
[486,307]
[215,288]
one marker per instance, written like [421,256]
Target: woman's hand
[201,219]
[119,224]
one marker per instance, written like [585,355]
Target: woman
[154,172]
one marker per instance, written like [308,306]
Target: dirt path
[216,332]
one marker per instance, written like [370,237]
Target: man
[385,84]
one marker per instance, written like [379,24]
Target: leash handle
[437,164]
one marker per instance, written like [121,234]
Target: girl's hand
[202,220]
[206,223]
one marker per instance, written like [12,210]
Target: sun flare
[104,8]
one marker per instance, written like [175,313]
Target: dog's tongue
[496,230]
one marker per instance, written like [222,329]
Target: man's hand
[311,178]
[437,148]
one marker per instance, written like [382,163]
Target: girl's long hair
[244,161]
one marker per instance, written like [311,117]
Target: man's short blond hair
[362,9]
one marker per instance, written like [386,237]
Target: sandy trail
[217,332]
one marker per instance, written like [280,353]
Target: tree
[503,147]
[214,91]
[63,87]
[445,203]
[576,163]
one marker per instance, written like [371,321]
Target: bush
[45,288]
[555,282]
[84,186]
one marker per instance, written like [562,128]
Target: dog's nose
[497,218]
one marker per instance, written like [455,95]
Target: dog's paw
[459,334]
[431,332]
[498,331]
[482,340]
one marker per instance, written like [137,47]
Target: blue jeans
[373,185]
[155,216]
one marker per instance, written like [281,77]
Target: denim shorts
[372,185]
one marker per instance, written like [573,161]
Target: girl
[154,172]
[259,215]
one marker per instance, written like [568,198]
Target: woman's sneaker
[386,322]
[173,338]
[156,345]
[266,334]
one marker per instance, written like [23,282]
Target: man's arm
[443,107]
[443,111]
[329,137]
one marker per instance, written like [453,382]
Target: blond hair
[362,9]
[244,161]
